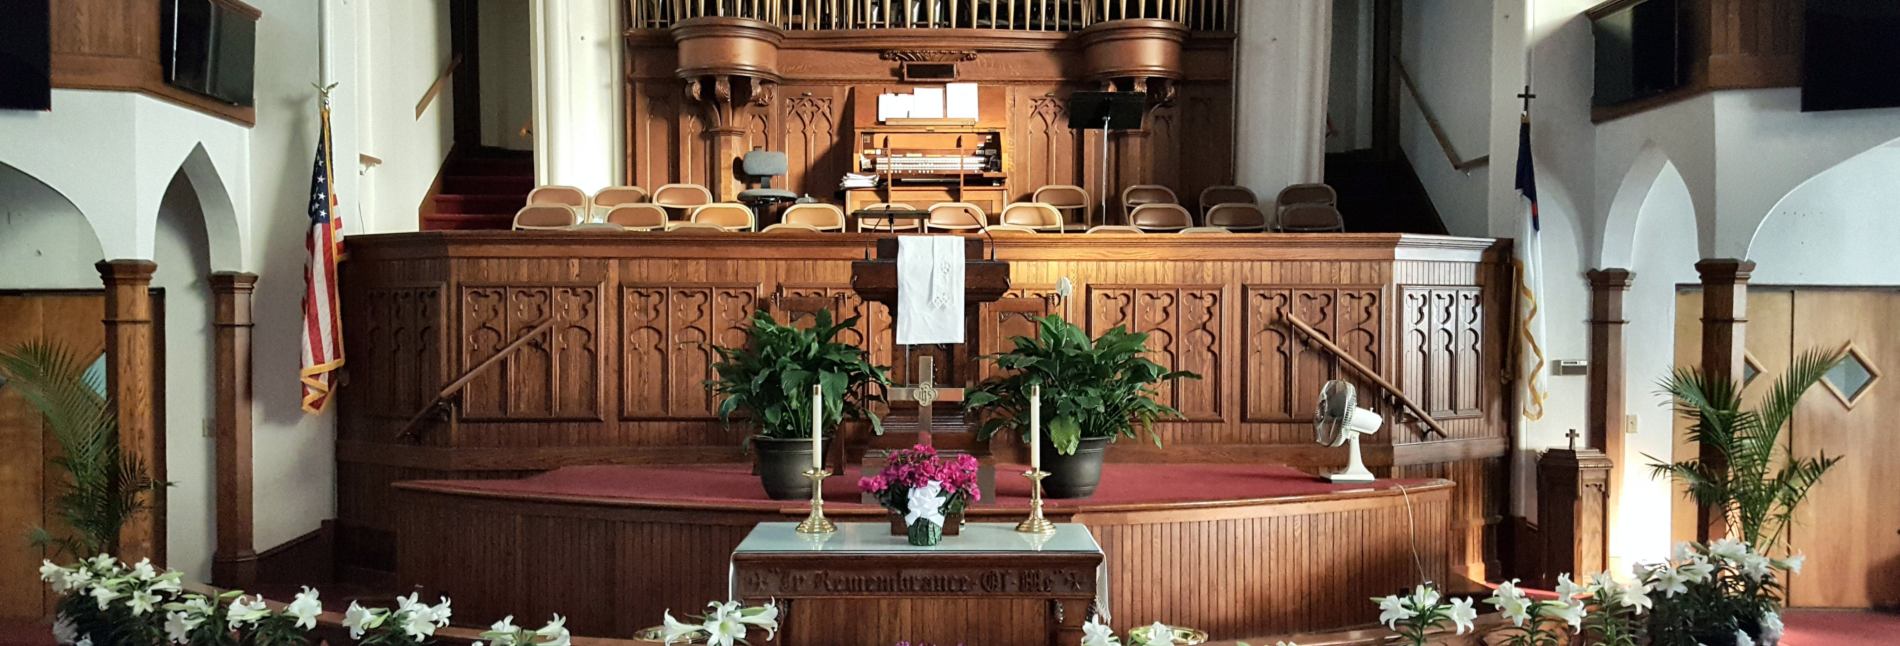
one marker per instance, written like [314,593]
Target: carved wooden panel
[555,376]
[1051,152]
[1443,344]
[816,131]
[798,305]
[405,338]
[1183,324]
[1012,316]
[668,333]
[655,136]
[1282,374]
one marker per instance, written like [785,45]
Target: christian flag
[1533,385]
[323,328]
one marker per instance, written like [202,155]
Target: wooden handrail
[1431,121]
[435,89]
[1390,390]
[409,429]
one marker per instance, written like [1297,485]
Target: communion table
[861,585]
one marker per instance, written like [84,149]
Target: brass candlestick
[1035,523]
[816,523]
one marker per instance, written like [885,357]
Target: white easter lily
[440,612]
[1635,596]
[1392,610]
[360,620]
[555,633]
[105,595]
[418,625]
[763,617]
[144,570]
[673,630]
[1158,633]
[724,630]
[1571,613]
[1424,597]
[1728,549]
[1742,639]
[1792,563]
[246,610]
[142,602]
[1462,614]
[1096,633]
[1669,581]
[178,626]
[1755,566]
[305,608]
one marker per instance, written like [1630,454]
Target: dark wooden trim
[130,380]
[1607,113]
[305,560]
[1724,331]
[465,46]
[1386,34]
[234,562]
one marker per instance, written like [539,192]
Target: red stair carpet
[481,189]
[1840,628]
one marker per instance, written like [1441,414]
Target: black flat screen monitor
[26,56]
[209,48]
[1121,110]
[1852,55]
[1639,52]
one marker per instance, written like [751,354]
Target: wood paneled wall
[809,115]
[620,378]
[612,567]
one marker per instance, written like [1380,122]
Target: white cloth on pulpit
[929,289]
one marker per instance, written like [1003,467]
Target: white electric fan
[1340,421]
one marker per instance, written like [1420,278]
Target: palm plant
[106,486]
[1090,388]
[1753,479]
[772,379]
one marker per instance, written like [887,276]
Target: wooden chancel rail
[1018,15]
[619,378]
[441,401]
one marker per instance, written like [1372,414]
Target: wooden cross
[1527,96]
[925,392]
[1573,438]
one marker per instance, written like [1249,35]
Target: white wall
[1283,57]
[184,265]
[45,242]
[1664,257]
[1839,228]
[577,92]
[507,76]
[1349,90]
[402,47]
[1446,47]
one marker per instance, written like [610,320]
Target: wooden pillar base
[1609,376]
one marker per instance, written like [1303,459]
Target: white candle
[818,428]
[1035,428]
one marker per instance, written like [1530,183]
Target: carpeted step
[490,166]
[488,184]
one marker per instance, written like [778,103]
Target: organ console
[921,162]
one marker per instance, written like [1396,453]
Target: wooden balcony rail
[1013,15]
[1460,164]
[1390,391]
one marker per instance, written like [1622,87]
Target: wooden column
[1609,372]
[234,563]
[129,383]
[1724,328]
[1573,512]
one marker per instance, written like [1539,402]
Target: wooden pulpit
[938,421]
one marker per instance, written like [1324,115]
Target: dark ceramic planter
[782,464]
[1073,476]
[952,524]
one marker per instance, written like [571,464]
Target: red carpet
[26,632]
[1840,628]
[735,486]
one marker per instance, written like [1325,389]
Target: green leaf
[1065,434]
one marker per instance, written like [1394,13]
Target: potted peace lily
[771,380]
[924,494]
[1093,391]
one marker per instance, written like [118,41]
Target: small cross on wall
[1573,438]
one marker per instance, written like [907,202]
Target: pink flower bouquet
[916,476]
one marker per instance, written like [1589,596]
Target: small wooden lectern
[1573,501]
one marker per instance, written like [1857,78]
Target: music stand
[1107,111]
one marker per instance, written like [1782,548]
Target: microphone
[983,224]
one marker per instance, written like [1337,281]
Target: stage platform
[1237,550]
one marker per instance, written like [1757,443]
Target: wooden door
[1850,526]
[27,484]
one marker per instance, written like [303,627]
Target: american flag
[323,327]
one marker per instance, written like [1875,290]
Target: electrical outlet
[1629,424]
